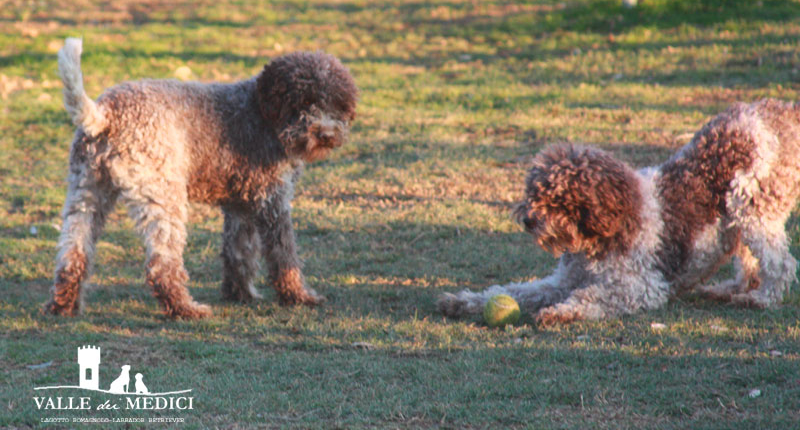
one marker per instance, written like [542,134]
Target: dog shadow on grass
[393,270]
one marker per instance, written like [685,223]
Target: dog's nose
[327,136]
[529,223]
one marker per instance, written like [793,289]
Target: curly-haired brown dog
[158,144]
[629,240]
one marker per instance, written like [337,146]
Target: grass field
[456,97]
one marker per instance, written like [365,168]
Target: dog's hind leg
[85,210]
[746,269]
[241,249]
[776,269]
[760,206]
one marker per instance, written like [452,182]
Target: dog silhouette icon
[120,385]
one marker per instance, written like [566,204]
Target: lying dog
[629,240]
[159,144]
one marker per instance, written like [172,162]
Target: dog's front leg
[241,249]
[609,296]
[161,219]
[274,222]
[531,295]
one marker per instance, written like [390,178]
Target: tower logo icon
[89,362]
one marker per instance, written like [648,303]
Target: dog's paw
[555,315]
[451,305]
[292,289]
[752,300]
[307,297]
[462,303]
[313,298]
[711,293]
[190,311]
[53,308]
[722,291]
[240,294]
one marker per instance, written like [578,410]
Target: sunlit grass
[456,97]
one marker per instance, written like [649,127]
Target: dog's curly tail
[83,110]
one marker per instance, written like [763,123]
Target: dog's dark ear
[276,96]
[289,85]
[581,199]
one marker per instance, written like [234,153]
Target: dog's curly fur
[629,240]
[159,144]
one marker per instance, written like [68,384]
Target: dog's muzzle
[328,137]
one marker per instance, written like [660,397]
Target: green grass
[456,97]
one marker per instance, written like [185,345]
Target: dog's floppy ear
[291,84]
[581,199]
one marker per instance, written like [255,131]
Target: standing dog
[159,144]
[629,239]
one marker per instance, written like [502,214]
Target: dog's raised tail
[83,110]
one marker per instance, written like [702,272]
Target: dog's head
[309,100]
[580,200]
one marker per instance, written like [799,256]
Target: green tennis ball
[500,310]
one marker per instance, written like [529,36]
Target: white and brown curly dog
[156,145]
[629,240]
